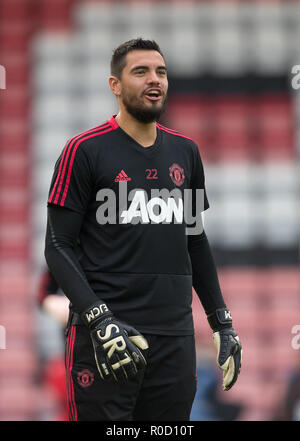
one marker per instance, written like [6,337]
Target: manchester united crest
[177,174]
[85,378]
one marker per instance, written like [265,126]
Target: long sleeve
[63,229]
[205,278]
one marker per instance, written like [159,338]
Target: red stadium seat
[231,126]
[55,14]
[14,9]
[274,119]
[15,103]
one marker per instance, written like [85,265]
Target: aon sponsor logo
[155,210]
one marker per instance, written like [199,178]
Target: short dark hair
[118,60]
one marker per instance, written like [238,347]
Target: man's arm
[207,287]
[116,344]
[63,229]
[205,277]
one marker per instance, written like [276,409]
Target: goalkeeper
[130,352]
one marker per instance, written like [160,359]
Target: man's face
[144,85]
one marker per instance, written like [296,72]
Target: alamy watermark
[2,77]
[162,207]
[296,77]
[296,339]
[2,337]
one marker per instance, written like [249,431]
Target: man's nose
[153,77]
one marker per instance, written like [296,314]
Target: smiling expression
[143,85]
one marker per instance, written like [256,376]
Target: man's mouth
[153,94]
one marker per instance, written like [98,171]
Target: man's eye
[140,72]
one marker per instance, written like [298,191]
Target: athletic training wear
[163,392]
[142,271]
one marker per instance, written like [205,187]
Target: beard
[140,111]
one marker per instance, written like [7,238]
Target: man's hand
[116,344]
[229,355]
[229,349]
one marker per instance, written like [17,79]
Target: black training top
[134,248]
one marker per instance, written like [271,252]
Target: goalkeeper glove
[229,349]
[116,345]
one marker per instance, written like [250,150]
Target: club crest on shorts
[177,174]
[85,378]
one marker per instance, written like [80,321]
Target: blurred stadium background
[230,65]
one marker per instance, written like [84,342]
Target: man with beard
[130,352]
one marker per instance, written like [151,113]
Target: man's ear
[115,85]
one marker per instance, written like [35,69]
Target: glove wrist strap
[220,319]
[95,313]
